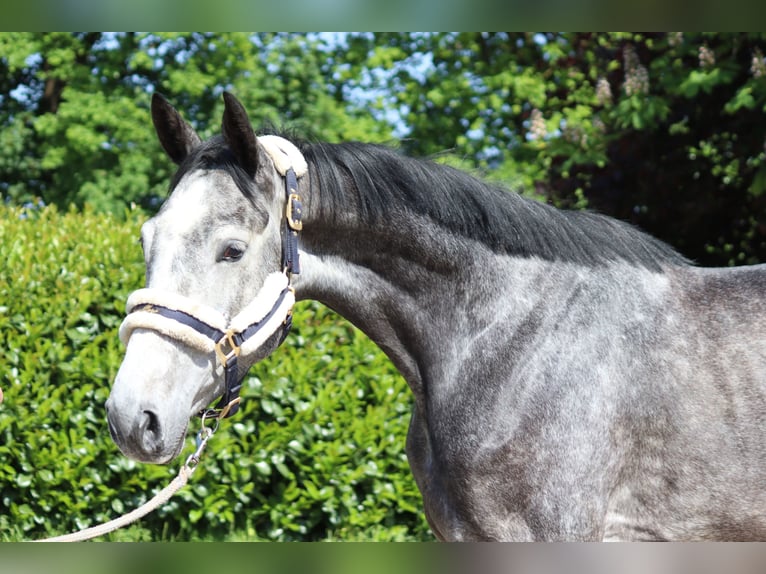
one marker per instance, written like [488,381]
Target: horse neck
[415,288]
[435,284]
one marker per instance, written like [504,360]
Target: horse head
[217,296]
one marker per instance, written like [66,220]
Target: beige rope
[159,499]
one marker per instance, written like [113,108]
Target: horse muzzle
[159,385]
[140,435]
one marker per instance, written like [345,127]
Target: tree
[75,125]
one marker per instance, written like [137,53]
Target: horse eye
[232,253]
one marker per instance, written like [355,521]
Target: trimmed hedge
[315,453]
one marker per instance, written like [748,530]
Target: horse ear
[239,134]
[177,137]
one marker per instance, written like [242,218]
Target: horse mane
[379,179]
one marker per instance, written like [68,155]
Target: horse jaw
[158,387]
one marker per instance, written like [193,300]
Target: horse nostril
[140,433]
[151,423]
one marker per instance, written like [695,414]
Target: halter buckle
[234,349]
[294,212]
[216,414]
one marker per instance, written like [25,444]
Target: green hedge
[315,453]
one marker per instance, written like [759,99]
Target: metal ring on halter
[217,414]
[225,410]
[228,338]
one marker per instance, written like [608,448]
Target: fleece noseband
[205,329]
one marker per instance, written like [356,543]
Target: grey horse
[573,377]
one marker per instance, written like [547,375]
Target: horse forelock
[215,154]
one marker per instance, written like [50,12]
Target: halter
[206,329]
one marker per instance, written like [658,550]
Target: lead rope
[159,499]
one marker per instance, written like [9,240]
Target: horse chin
[172,451]
[164,456]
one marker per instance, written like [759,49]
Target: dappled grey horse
[574,378]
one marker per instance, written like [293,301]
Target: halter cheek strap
[293,224]
[290,164]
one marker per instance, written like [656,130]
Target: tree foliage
[664,130]
[74,120]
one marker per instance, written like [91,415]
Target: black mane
[381,179]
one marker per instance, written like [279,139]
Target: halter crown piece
[206,329]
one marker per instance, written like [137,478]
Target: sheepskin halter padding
[285,154]
[207,327]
